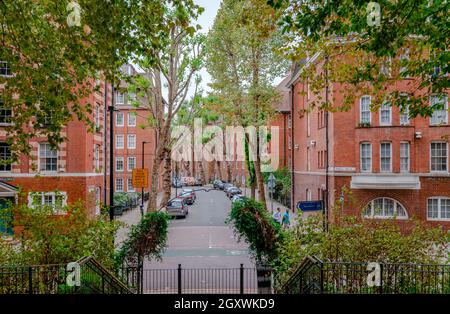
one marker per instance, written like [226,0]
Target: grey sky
[206,21]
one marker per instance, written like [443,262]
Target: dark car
[198,182]
[177,208]
[217,184]
[233,191]
[226,186]
[189,197]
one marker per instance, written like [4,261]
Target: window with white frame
[385,157]
[5,155]
[365,151]
[385,207]
[404,60]
[119,184]
[97,156]
[308,195]
[131,163]
[289,121]
[48,158]
[438,156]
[131,119]
[119,119]
[119,141]
[56,200]
[386,114]
[119,164]
[404,156]
[131,96]
[439,116]
[5,114]
[119,98]
[97,116]
[364,109]
[438,208]
[404,116]
[386,66]
[5,69]
[130,187]
[308,159]
[131,141]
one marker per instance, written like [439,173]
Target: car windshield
[185,194]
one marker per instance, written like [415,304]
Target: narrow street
[201,240]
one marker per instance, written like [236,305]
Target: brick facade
[412,187]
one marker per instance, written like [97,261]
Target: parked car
[226,186]
[233,191]
[189,197]
[177,207]
[198,182]
[237,198]
[190,191]
[217,184]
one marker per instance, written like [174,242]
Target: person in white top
[277,217]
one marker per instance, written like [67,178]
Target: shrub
[353,239]
[146,239]
[253,223]
[46,238]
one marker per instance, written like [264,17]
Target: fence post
[241,279]
[179,278]
[321,277]
[30,280]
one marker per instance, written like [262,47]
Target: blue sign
[308,206]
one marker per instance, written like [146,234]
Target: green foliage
[52,239]
[354,239]
[283,181]
[146,239]
[54,65]
[253,223]
[411,40]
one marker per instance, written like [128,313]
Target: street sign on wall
[140,178]
[308,206]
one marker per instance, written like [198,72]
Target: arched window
[385,207]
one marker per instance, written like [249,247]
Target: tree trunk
[166,177]
[260,182]
[202,172]
[153,194]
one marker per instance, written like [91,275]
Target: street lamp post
[142,163]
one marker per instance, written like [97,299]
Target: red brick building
[76,171]
[393,165]
[130,131]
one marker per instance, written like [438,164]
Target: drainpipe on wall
[292,150]
[326,207]
[105,153]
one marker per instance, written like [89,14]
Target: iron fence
[315,276]
[52,279]
[197,280]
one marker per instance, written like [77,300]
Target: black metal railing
[315,276]
[195,280]
[52,279]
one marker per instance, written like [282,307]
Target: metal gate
[198,280]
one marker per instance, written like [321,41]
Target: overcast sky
[206,21]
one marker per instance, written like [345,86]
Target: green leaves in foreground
[146,239]
[253,223]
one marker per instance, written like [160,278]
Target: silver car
[177,207]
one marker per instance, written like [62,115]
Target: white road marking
[210,244]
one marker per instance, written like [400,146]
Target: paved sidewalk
[132,217]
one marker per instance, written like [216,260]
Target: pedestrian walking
[286,221]
[277,216]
